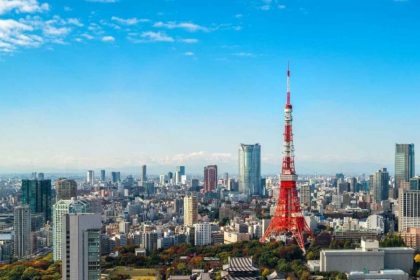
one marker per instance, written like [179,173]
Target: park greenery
[287,260]
[43,268]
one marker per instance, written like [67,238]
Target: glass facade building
[250,170]
[37,194]
[380,185]
[61,208]
[404,163]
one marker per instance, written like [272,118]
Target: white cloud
[108,39]
[156,37]
[281,7]
[75,21]
[244,54]
[189,54]
[238,16]
[188,26]
[50,30]
[22,6]
[13,34]
[197,156]
[189,40]
[128,21]
[87,36]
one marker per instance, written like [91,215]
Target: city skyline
[105,85]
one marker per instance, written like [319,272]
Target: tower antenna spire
[288,216]
[288,84]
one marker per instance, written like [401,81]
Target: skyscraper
[404,164]
[90,177]
[61,208]
[22,228]
[41,176]
[37,194]
[116,177]
[409,209]
[210,178]
[180,171]
[190,210]
[81,246]
[65,189]
[143,174]
[103,177]
[415,183]
[250,169]
[380,185]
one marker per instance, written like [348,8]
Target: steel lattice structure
[288,217]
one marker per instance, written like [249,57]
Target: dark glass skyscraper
[143,174]
[404,164]
[37,194]
[65,189]
[380,185]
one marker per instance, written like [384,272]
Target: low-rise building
[367,258]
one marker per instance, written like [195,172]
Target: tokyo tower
[288,217]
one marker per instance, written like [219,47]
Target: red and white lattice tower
[288,217]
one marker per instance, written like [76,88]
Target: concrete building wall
[399,258]
[351,260]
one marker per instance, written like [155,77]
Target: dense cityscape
[214,226]
[209,140]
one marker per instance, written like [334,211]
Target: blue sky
[115,84]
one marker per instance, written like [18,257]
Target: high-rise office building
[61,208]
[190,210]
[415,183]
[305,196]
[409,209]
[143,174]
[37,194]
[65,189]
[103,175]
[380,185]
[250,169]
[210,178]
[81,246]
[225,179]
[180,171]
[22,228]
[40,176]
[202,234]
[404,164]
[149,240]
[115,177]
[90,177]
[353,184]
[170,177]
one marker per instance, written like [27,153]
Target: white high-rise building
[22,228]
[190,210]
[409,209]
[81,246]
[202,234]
[250,170]
[375,222]
[61,208]
[90,177]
